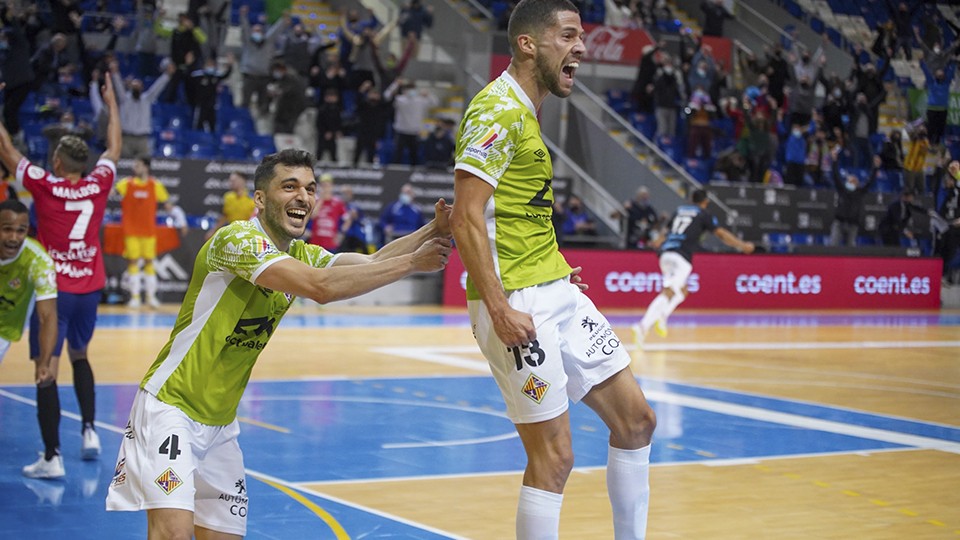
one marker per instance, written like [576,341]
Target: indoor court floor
[383,422]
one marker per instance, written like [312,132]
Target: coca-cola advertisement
[613,45]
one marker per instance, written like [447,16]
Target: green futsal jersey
[500,142]
[31,271]
[224,323]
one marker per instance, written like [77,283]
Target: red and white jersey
[69,218]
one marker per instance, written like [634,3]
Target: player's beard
[547,76]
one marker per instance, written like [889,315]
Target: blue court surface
[314,431]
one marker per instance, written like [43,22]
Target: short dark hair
[145,159]
[291,157]
[14,205]
[699,196]
[73,152]
[534,16]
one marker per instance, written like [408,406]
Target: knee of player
[637,428]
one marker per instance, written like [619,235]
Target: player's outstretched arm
[46,365]
[731,240]
[514,328]
[439,227]
[340,282]
[114,135]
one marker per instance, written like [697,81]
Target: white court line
[299,486]
[258,474]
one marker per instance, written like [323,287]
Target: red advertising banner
[613,45]
[631,279]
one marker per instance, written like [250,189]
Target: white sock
[654,311]
[150,283]
[672,304]
[628,484]
[538,514]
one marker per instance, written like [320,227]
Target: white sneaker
[153,302]
[134,303]
[90,449]
[45,469]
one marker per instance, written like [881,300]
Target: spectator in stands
[902,17]
[703,70]
[328,74]
[668,95]
[438,146]
[870,83]
[414,18]
[176,217]
[948,241]
[795,154]
[642,92]
[329,125]
[699,125]
[895,224]
[640,218]
[391,68]
[802,99]
[758,145]
[140,194]
[850,200]
[48,63]
[777,70]
[807,64]
[351,224]
[617,13]
[373,116]
[935,56]
[891,154]
[732,164]
[353,25]
[916,162]
[136,116]
[885,41]
[15,66]
[859,131]
[818,158]
[186,52]
[204,85]
[296,50]
[145,39]
[364,48]
[290,91]
[66,19]
[327,214]
[402,217]
[257,52]
[412,107]
[835,107]
[214,21]
[576,221]
[938,100]
[66,126]
[237,203]
[714,14]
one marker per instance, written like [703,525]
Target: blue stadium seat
[203,151]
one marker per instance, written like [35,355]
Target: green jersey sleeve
[43,274]
[241,248]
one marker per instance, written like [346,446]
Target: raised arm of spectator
[152,93]
[282,24]
[385,31]
[94,93]
[114,136]
[8,152]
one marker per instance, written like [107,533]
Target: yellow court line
[264,425]
[331,521]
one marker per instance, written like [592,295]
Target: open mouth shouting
[298,216]
[569,70]
[9,249]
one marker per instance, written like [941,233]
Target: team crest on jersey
[120,473]
[14,283]
[262,247]
[535,388]
[168,481]
[35,172]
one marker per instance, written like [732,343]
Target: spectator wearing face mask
[203,84]
[289,89]
[668,94]
[796,155]
[329,125]
[412,106]
[135,109]
[66,126]
[402,217]
[296,50]
[850,200]
[938,99]
[257,52]
[186,42]
[374,114]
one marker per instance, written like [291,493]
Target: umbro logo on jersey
[541,155]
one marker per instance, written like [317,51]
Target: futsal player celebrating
[70,208]
[28,271]
[180,460]
[534,326]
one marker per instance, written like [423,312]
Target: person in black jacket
[15,67]
[714,13]
[895,223]
[374,114]
[203,85]
[329,125]
[850,200]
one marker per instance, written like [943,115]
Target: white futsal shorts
[167,460]
[675,269]
[575,350]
